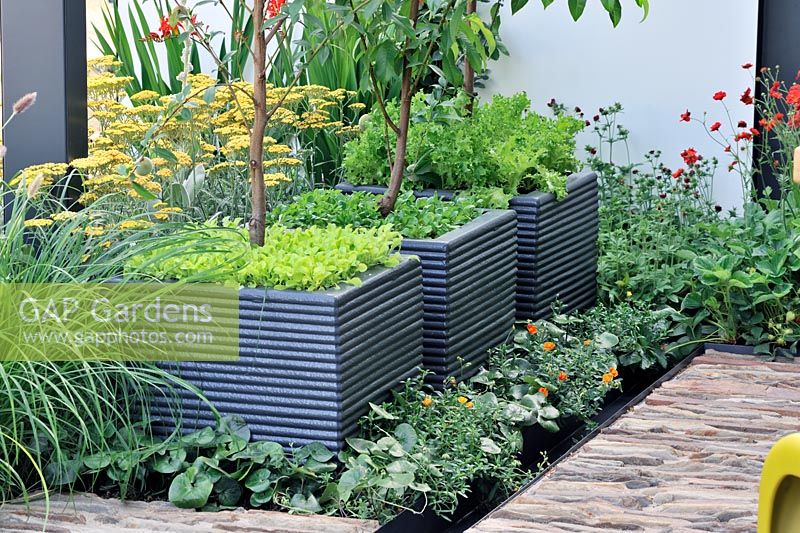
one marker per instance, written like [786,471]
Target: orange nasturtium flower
[532,329]
[549,346]
[587,342]
[613,372]
[543,391]
[427,401]
[470,405]
[462,400]
[607,378]
[562,376]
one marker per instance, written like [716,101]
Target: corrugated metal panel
[310,361]
[557,248]
[469,278]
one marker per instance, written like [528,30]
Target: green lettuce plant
[502,147]
[301,259]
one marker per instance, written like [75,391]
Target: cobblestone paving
[90,514]
[687,459]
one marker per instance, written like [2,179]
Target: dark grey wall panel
[557,248]
[311,361]
[44,50]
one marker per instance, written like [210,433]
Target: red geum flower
[686,117]
[793,96]
[562,376]
[720,95]
[743,136]
[775,92]
[742,124]
[747,66]
[716,126]
[747,97]
[690,156]
[678,173]
[755,132]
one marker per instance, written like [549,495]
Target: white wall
[678,58]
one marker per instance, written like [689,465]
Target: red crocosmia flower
[742,124]
[716,126]
[686,117]
[775,92]
[720,95]
[690,156]
[678,173]
[793,96]
[747,97]
[747,66]
[274,7]
[166,28]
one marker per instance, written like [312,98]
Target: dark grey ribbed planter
[311,361]
[557,248]
[557,245]
[468,275]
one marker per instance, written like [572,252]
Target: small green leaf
[381,412]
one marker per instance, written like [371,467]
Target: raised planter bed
[311,361]
[557,248]
[557,245]
[468,278]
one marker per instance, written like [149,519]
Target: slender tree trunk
[259,203]
[399,166]
[469,72]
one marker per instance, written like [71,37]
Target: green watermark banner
[119,321]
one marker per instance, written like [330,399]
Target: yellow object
[779,494]
[796,166]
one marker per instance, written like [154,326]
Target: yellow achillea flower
[166,212]
[38,223]
[281,161]
[275,178]
[237,143]
[108,61]
[94,231]
[279,149]
[61,216]
[144,95]
[135,224]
